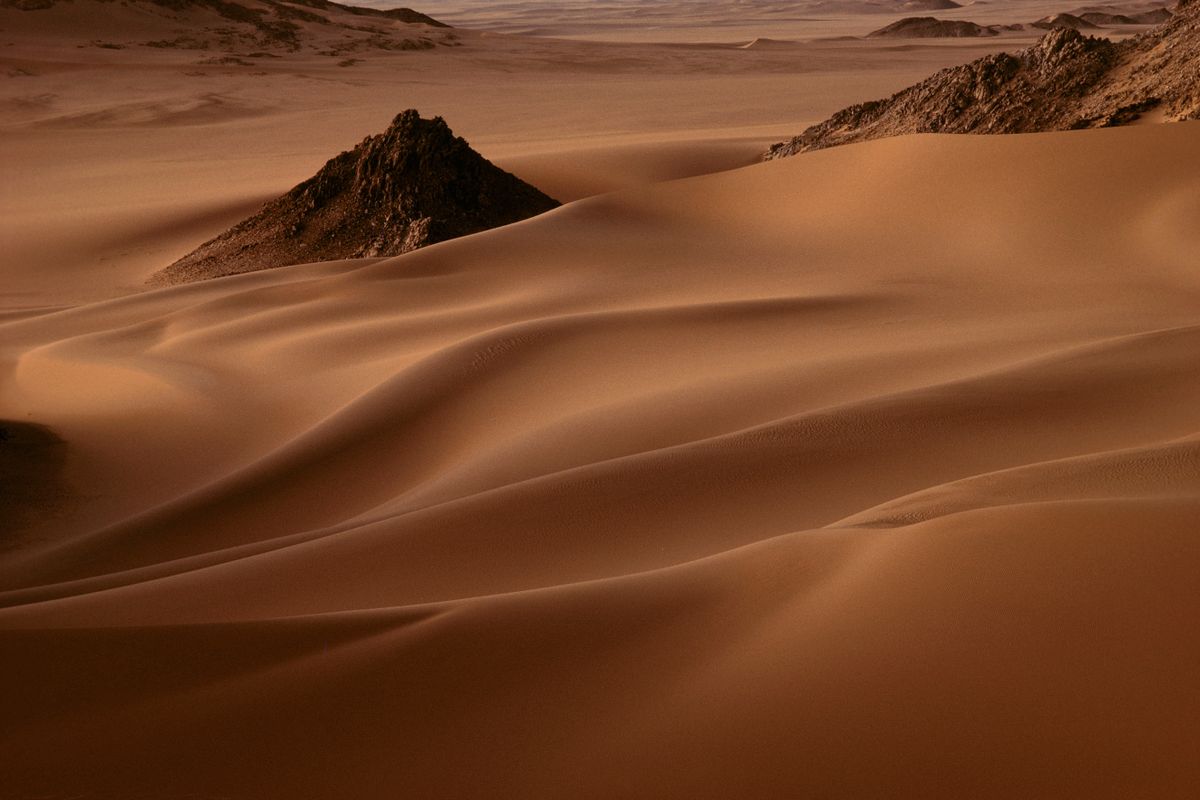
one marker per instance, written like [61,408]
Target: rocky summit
[413,185]
[1066,81]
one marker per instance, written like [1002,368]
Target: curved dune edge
[870,472]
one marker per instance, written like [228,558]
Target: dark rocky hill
[1065,81]
[413,185]
[932,28]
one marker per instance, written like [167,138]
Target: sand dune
[870,472]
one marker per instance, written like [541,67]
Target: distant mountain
[927,5]
[1065,81]
[932,28]
[411,186]
[234,25]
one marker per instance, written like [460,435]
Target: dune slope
[750,484]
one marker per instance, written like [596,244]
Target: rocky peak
[413,185]
[1067,80]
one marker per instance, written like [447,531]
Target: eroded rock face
[413,185]
[1067,80]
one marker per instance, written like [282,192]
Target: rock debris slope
[1065,81]
[413,185]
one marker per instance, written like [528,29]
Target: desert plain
[869,472]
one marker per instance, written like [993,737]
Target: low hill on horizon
[248,28]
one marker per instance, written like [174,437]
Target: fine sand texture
[872,472]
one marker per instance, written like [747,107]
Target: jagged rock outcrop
[1106,15]
[932,28]
[1065,81]
[413,185]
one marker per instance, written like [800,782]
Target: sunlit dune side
[869,472]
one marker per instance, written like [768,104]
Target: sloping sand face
[872,472]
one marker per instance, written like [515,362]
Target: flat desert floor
[872,472]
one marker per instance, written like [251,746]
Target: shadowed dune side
[32,488]
[817,477]
[969,629]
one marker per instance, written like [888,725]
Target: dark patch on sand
[32,484]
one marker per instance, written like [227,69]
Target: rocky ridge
[1065,81]
[413,185]
[932,28]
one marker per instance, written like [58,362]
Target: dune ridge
[680,491]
